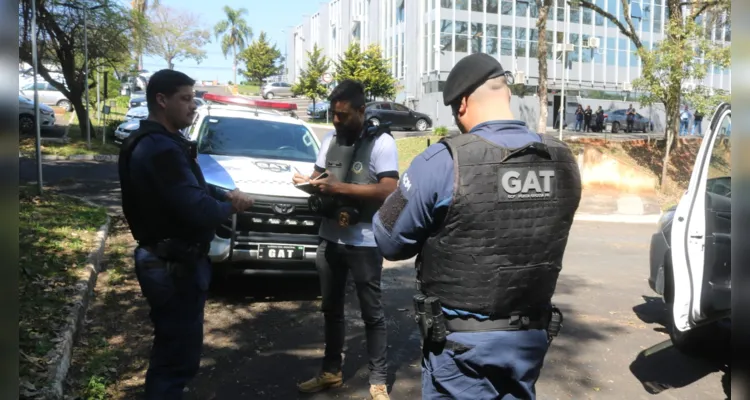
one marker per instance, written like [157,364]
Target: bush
[440,131]
[122,101]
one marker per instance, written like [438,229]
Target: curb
[58,370]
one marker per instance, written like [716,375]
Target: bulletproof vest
[499,250]
[148,216]
[351,164]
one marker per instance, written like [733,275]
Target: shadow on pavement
[663,367]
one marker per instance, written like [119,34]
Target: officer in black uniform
[173,218]
[487,212]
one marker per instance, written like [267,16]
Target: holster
[430,319]
[182,258]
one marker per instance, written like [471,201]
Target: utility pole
[37,126]
[564,67]
[86,75]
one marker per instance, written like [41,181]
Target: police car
[691,251]
[253,146]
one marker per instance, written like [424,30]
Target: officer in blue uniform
[487,212]
[173,218]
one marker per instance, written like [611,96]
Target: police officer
[487,212]
[362,167]
[173,218]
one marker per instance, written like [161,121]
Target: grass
[76,146]
[56,235]
[408,148]
[248,90]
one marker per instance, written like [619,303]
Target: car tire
[65,105]
[26,123]
[615,127]
[269,96]
[374,121]
[421,125]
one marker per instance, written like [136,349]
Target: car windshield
[24,100]
[256,138]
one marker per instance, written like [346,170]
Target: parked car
[139,101]
[319,110]
[125,129]
[616,120]
[276,89]
[137,113]
[26,120]
[400,116]
[48,95]
[690,254]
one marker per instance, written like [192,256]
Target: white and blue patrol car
[258,151]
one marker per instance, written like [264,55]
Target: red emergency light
[242,101]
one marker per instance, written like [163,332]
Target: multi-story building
[424,39]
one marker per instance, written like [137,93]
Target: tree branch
[631,34]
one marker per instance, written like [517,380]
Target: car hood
[259,176]
[131,125]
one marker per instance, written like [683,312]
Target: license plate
[280,252]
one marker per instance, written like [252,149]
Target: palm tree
[235,33]
[139,8]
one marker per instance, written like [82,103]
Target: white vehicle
[26,120]
[136,113]
[258,151]
[691,252]
[125,129]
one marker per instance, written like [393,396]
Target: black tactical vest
[500,248]
[351,164]
[147,215]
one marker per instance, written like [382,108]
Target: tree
[60,43]
[139,25]
[234,32]
[176,36]
[376,76]
[541,25]
[675,60]
[261,60]
[351,64]
[309,84]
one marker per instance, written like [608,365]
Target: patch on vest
[530,183]
[357,167]
[391,209]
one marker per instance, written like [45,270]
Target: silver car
[26,115]
[616,120]
[125,129]
[48,95]
[276,89]
[136,113]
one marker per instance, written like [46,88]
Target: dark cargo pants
[334,262]
[177,305]
[501,365]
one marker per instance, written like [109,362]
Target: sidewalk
[603,206]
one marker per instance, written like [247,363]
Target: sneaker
[379,392]
[325,380]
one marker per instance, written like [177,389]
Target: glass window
[506,32]
[597,53]
[477,5]
[506,7]
[598,18]
[399,107]
[520,42]
[492,46]
[633,59]
[657,19]
[533,10]
[491,30]
[446,4]
[611,51]
[477,36]
[446,34]
[575,15]
[587,16]
[462,5]
[573,55]
[492,6]
[256,138]
[521,9]
[612,9]
[462,36]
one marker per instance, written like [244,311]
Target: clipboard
[308,187]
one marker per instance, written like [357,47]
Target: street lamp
[37,127]
[564,67]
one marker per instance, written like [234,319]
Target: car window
[385,106]
[399,107]
[256,138]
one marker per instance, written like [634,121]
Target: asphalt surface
[264,334]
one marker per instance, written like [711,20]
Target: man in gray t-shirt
[351,247]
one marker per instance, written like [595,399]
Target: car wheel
[421,125]
[65,105]
[615,127]
[374,121]
[269,96]
[26,123]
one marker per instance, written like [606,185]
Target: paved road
[263,335]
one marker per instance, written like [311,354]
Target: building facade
[424,39]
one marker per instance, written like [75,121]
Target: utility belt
[179,257]
[434,326]
[346,212]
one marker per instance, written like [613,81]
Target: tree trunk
[79,107]
[234,60]
[673,120]
[542,59]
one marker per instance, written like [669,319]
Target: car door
[404,116]
[701,234]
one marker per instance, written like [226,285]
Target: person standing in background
[697,124]
[587,119]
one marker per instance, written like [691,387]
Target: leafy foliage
[234,32]
[351,65]
[309,84]
[261,60]
[378,81]
[176,35]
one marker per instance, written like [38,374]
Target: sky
[270,16]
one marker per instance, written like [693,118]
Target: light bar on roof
[242,101]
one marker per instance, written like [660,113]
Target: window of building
[522,9]
[597,53]
[506,41]
[427,48]
[534,43]
[646,22]
[446,4]
[622,52]
[492,40]
[462,5]
[520,42]
[611,51]
[573,56]
[400,13]
[560,10]
[492,6]
[477,37]
[446,35]
[656,14]
[598,18]
[434,40]
[586,53]
[477,5]
[575,15]
[533,10]
[587,16]
[462,37]
[612,7]
[506,7]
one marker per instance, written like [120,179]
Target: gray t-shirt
[383,160]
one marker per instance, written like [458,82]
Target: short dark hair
[348,90]
[166,82]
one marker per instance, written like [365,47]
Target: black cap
[468,74]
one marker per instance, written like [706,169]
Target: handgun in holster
[430,318]
[555,323]
[181,258]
